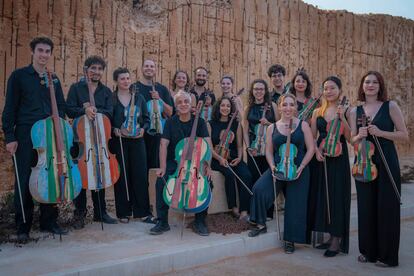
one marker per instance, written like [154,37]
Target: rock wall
[238,37]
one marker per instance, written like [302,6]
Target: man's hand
[90,111]
[12,147]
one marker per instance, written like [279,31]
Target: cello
[226,138]
[155,110]
[258,143]
[131,127]
[188,189]
[98,166]
[55,178]
[364,170]
[286,169]
[331,145]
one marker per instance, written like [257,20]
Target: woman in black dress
[133,150]
[296,191]
[221,115]
[301,87]
[378,204]
[259,97]
[337,171]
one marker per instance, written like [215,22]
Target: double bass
[98,166]
[188,189]
[55,178]
[286,169]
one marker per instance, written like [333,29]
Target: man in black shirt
[78,105]
[28,101]
[200,91]
[152,90]
[277,75]
[176,129]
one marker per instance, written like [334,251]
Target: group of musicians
[296,145]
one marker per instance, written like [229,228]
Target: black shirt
[203,95]
[254,116]
[175,131]
[119,114]
[79,94]
[145,90]
[217,127]
[28,100]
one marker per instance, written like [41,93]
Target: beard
[200,82]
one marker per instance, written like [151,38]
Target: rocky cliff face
[238,37]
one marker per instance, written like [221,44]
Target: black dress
[339,187]
[296,192]
[241,169]
[378,206]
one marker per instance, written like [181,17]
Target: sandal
[149,219]
[124,220]
[362,259]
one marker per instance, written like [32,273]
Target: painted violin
[98,166]
[207,109]
[55,178]
[226,138]
[130,127]
[331,145]
[309,107]
[364,170]
[286,169]
[188,189]
[155,110]
[258,143]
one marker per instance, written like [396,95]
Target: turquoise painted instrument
[286,168]
[130,127]
[155,110]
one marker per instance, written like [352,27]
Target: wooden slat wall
[239,37]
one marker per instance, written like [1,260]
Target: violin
[130,127]
[286,169]
[258,143]
[309,107]
[98,166]
[188,189]
[55,178]
[207,109]
[155,110]
[331,145]
[364,170]
[226,138]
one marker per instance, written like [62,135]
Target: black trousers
[152,145]
[98,198]
[25,158]
[231,181]
[162,207]
[137,178]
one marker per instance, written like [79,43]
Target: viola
[55,178]
[188,189]
[226,138]
[258,143]
[98,166]
[309,107]
[286,169]
[364,170]
[331,145]
[130,127]
[155,110]
[207,109]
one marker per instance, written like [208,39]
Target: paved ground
[309,261]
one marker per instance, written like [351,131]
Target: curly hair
[215,114]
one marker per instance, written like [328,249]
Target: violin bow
[249,154]
[18,187]
[327,190]
[241,181]
[275,207]
[123,163]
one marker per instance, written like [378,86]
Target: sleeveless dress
[296,192]
[378,207]
[339,187]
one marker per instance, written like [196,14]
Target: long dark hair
[308,90]
[215,114]
[382,93]
[187,85]
[251,99]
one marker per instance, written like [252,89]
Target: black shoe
[23,238]
[289,247]
[199,227]
[54,228]
[323,246]
[105,219]
[329,253]
[149,219]
[79,222]
[257,231]
[160,228]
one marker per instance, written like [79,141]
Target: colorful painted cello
[98,166]
[286,169]
[188,189]
[331,145]
[55,178]
[155,110]
[131,127]
[364,170]
[258,143]
[226,138]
